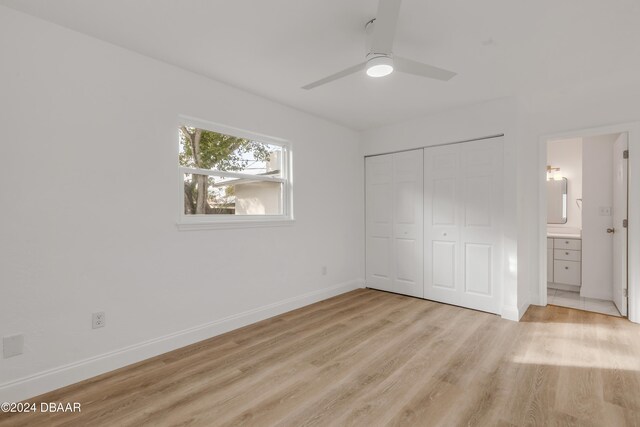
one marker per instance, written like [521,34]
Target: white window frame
[201,222]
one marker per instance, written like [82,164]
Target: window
[232,177]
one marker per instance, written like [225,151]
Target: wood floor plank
[278,368]
[211,372]
[369,358]
[380,403]
[284,401]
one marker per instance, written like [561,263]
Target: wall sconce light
[553,173]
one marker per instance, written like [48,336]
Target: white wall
[567,155]
[597,192]
[486,119]
[88,180]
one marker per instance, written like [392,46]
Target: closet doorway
[434,223]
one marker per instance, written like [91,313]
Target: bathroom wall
[566,154]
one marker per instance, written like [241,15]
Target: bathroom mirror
[557,201]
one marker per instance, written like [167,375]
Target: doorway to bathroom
[586,222]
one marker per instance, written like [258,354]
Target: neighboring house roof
[242,181]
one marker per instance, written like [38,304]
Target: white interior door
[394,230]
[463,207]
[620,173]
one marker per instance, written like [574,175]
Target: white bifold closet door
[394,222]
[463,208]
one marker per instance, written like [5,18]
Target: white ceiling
[272,48]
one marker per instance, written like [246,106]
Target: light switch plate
[12,345]
[605,210]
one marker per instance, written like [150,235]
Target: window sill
[247,223]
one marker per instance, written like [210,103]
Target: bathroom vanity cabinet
[564,263]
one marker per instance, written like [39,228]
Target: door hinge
[625,292]
[625,223]
[625,154]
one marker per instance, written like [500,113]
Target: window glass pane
[206,149]
[214,195]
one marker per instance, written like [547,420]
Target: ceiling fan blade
[419,69]
[336,76]
[384,30]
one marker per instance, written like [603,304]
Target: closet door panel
[394,216]
[443,264]
[379,222]
[478,269]
[408,217]
[481,233]
[463,220]
[441,222]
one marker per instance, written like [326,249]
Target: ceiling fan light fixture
[379,60]
[379,66]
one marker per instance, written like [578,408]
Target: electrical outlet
[12,345]
[324,270]
[98,320]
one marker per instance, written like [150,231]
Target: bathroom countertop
[564,235]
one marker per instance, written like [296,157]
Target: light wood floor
[371,358]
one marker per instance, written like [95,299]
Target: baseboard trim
[606,297]
[514,313]
[52,379]
[563,287]
[523,309]
[510,313]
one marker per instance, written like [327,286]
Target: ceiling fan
[379,60]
